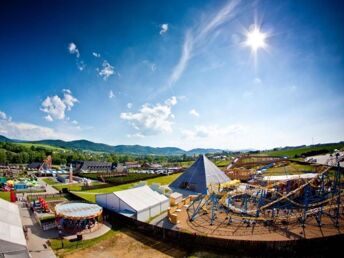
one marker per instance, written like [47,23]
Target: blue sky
[173,73]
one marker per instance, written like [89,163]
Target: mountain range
[86,145]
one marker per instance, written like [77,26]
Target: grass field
[222,163]
[50,181]
[46,146]
[71,187]
[291,169]
[91,194]
[298,151]
[5,196]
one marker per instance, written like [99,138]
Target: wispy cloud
[197,36]
[193,112]
[72,48]
[257,80]
[129,105]
[81,65]
[27,131]
[150,65]
[111,94]
[4,117]
[96,54]
[55,107]
[215,131]
[152,119]
[163,28]
[106,71]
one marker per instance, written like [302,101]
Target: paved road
[37,237]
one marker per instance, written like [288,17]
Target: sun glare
[255,39]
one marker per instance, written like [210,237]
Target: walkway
[106,227]
[37,242]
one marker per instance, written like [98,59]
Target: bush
[119,180]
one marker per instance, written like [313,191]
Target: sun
[255,39]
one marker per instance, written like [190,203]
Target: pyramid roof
[199,176]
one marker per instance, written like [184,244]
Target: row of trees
[12,153]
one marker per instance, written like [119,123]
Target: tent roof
[202,173]
[10,224]
[78,210]
[141,198]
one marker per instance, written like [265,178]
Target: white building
[140,203]
[12,239]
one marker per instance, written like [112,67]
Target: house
[197,178]
[131,164]
[92,166]
[140,203]
[34,165]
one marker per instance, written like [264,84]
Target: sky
[173,73]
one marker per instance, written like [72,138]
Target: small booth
[175,198]
[78,218]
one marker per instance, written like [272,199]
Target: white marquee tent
[12,239]
[141,203]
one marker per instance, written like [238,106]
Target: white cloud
[74,122]
[68,99]
[135,135]
[212,131]
[4,117]
[27,131]
[49,118]
[195,37]
[149,64]
[150,120]
[193,112]
[96,54]
[111,94]
[164,28]
[130,105]
[81,65]
[257,80]
[106,71]
[153,67]
[55,107]
[73,49]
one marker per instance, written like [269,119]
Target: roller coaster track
[295,190]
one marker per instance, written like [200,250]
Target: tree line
[13,153]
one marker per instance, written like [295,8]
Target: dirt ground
[129,244]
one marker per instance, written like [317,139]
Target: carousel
[78,218]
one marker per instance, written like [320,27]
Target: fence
[31,197]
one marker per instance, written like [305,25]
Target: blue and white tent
[199,177]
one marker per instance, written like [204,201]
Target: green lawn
[46,146]
[90,195]
[298,151]
[222,163]
[73,187]
[68,246]
[5,196]
[50,181]
[291,169]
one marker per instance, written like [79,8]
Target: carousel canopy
[78,210]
